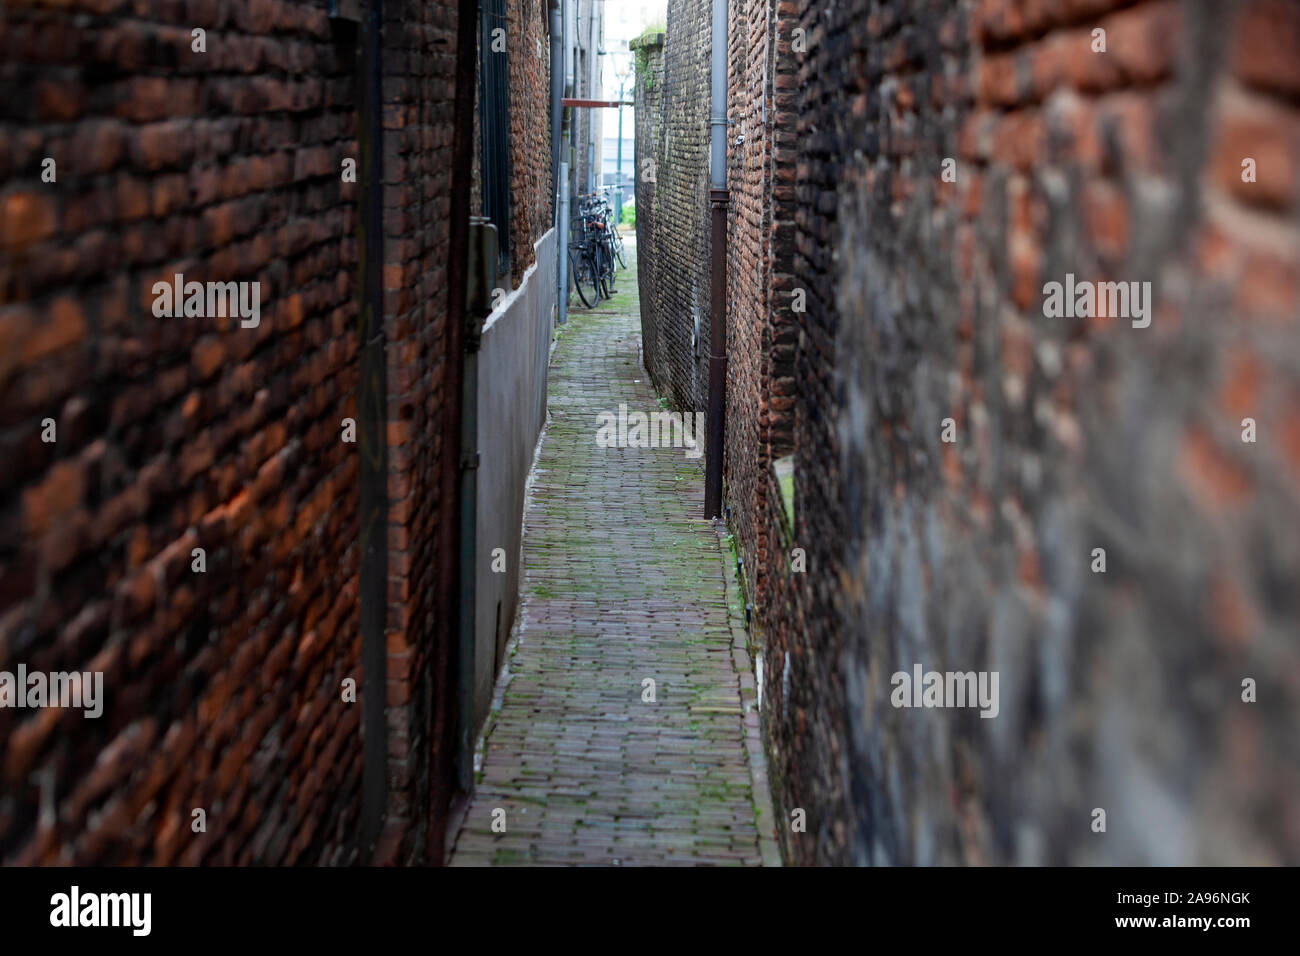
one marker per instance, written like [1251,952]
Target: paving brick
[622,580]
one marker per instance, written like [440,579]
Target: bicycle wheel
[605,268]
[618,250]
[582,273]
[597,282]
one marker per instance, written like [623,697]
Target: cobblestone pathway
[623,581]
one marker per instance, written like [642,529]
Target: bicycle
[594,218]
[585,272]
[615,237]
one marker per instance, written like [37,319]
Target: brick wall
[530,131]
[223,688]
[761,331]
[648,52]
[924,301]
[585,125]
[176,433]
[528,52]
[678,244]
[1120,690]
[423,269]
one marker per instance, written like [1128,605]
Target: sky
[625,19]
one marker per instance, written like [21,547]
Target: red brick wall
[223,688]
[423,269]
[530,130]
[761,330]
[529,54]
[749,177]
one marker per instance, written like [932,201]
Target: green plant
[644,78]
[629,214]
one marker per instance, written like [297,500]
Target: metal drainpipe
[562,245]
[557,117]
[593,71]
[567,33]
[570,77]
[719,197]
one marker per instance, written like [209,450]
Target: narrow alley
[623,582]
[358,508]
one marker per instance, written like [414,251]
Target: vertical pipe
[719,198]
[557,94]
[557,117]
[618,161]
[566,146]
[372,408]
[593,88]
[562,246]
[718,98]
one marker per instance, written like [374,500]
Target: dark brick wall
[420,267]
[1118,690]
[223,689]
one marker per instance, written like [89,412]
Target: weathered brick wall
[1118,690]
[648,97]
[761,331]
[678,246]
[527,48]
[748,279]
[423,268]
[530,131]
[223,687]
[924,300]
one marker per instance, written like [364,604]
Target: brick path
[623,580]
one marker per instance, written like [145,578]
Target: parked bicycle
[584,263]
[594,248]
[611,219]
